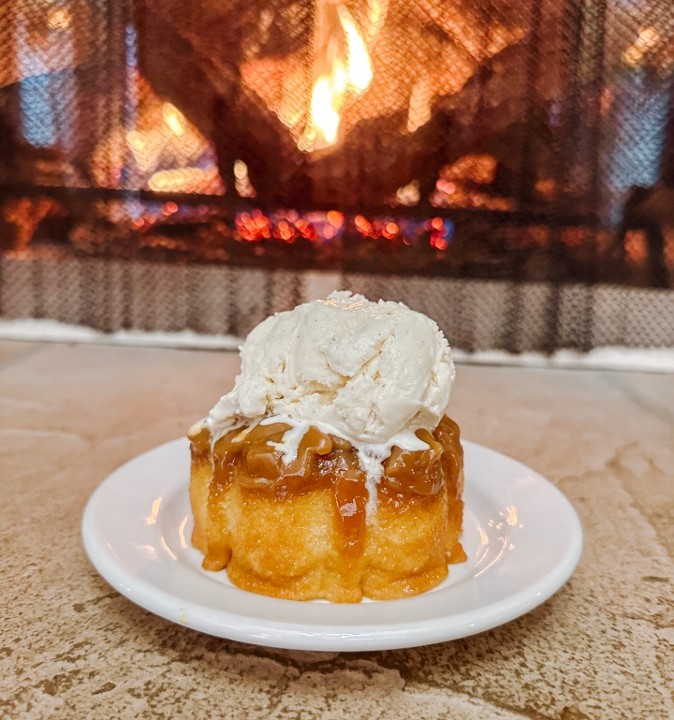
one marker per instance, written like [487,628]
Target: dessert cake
[330,470]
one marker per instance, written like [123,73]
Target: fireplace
[505,167]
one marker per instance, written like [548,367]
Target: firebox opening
[477,141]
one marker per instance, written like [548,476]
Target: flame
[358,65]
[242,182]
[421,98]
[59,18]
[326,101]
[377,12]
[173,119]
[343,67]
[408,194]
[188,179]
[646,41]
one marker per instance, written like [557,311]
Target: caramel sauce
[249,457]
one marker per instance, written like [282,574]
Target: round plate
[522,537]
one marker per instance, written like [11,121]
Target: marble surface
[71,647]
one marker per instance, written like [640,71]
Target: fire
[173,119]
[59,19]
[419,112]
[646,41]
[358,65]
[377,12]
[326,101]
[187,179]
[343,67]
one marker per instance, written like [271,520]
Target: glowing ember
[288,227]
[335,218]
[390,230]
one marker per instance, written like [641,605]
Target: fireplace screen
[507,167]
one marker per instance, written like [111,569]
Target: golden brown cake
[287,504]
[301,532]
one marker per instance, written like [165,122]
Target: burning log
[243,73]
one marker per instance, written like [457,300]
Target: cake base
[296,546]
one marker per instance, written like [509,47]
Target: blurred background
[506,167]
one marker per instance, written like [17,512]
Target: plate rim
[288,635]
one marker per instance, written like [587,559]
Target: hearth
[506,167]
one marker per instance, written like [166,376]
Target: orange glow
[421,99]
[363,225]
[173,119]
[377,11]
[284,231]
[242,183]
[438,242]
[343,67]
[358,65]
[305,229]
[254,226]
[408,194]
[647,39]
[335,218]
[445,186]
[137,140]
[635,246]
[190,179]
[390,230]
[59,18]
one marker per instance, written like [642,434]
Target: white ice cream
[373,373]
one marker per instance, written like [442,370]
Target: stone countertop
[71,647]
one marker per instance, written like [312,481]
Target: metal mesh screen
[169,165]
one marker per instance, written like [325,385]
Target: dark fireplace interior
[213,153]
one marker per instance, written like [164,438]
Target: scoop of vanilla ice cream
[368,370]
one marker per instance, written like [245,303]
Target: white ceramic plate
[522,537]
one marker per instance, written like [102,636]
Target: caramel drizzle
[248,457]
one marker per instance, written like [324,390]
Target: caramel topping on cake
[251,458]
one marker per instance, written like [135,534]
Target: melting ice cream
[370,372]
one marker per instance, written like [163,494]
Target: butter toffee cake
[330,470]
